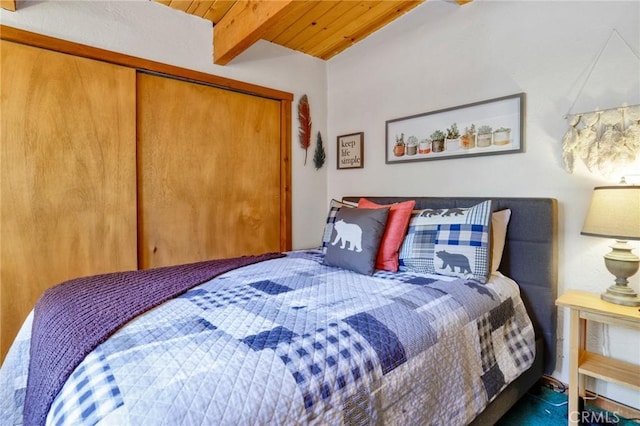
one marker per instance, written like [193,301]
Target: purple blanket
[73,318]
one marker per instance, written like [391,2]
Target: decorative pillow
[397,224]
[451,241]
[334,207]
[499,223]
[356,238]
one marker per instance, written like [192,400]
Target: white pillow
[499,223]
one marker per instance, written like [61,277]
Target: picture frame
[351,151]
[490,127]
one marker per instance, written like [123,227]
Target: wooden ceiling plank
[340,15]
[339,34]
[284,33]
[218,10]
[200,7]
[343,13]
[182,5]
[244,24]
[340,29]
[352,34]
[292,18]
[8,5]
[321,28]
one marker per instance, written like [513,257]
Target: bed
[289,339]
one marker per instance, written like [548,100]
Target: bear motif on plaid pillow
[454,260]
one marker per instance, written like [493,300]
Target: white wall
[442,55]
[152,31]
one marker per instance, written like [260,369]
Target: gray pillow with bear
[356,238]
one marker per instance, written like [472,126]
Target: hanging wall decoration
[319,156]
[605,139]
[304,132]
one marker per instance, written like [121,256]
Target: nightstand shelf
[609,369]
[588,306]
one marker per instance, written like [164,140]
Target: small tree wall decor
[319,155]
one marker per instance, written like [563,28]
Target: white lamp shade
[614,213]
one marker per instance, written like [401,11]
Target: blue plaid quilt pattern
[292,341]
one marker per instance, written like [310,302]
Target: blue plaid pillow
[449,242]
[461,250]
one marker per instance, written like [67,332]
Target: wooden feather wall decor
[304,132]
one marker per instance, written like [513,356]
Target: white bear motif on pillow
[348,233]
[359,231]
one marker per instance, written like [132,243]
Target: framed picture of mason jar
[494,126]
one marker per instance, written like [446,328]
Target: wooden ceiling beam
[245,23]
[8,4]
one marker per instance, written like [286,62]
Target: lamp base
[622,264]
[621,295]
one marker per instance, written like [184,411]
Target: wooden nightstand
[588,306]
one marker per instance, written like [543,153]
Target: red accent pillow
[394,233]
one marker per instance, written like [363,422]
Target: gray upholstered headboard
[530,254]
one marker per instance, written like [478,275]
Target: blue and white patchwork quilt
[292,341]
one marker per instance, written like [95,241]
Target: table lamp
[615,213]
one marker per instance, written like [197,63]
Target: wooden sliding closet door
[208,172]
[68,190]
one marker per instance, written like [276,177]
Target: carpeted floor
[548,408]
